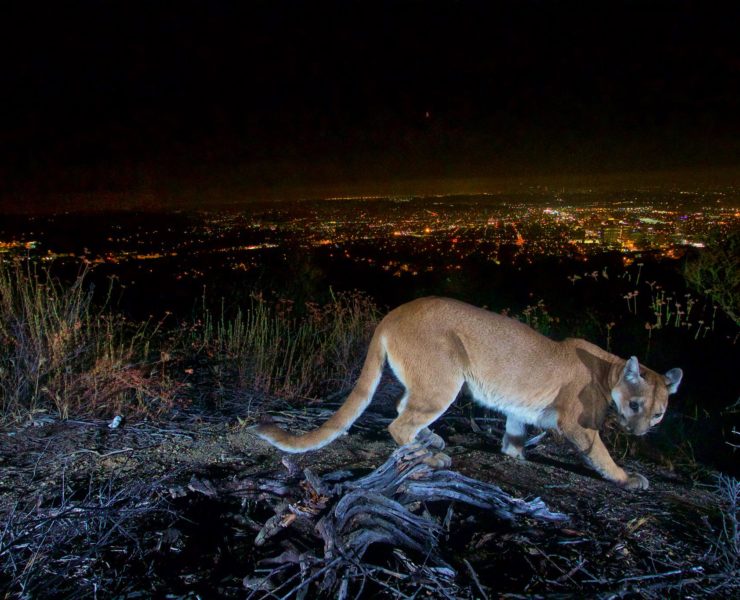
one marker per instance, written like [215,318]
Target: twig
[573,571]
[98,454]
[662,575]
[474,576]
[533,441]
[313,577]
[38,460]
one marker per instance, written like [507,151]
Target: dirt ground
[90,511]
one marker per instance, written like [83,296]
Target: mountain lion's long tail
[340,421]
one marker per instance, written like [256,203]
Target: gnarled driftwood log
[387,507]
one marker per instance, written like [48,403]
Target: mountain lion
[435,345]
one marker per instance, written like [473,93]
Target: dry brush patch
[60,352]
[270,349]
[61,544]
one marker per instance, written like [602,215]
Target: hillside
[180,500]
[145,509]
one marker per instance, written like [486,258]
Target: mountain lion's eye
[657,415]
[635,406]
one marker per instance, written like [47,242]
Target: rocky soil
[145,510]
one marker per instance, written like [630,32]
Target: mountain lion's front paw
[513,450]
[635,481]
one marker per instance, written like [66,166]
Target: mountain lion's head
[641,396]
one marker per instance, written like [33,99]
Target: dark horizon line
[214,196]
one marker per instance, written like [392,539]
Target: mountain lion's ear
[632,370]
[672,379]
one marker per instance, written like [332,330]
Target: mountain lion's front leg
[514,438]
[589,443]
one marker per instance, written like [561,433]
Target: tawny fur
[435,345]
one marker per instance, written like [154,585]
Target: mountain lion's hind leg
[514,438]
[426,434]
[421,410]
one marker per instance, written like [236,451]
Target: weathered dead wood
[337,520]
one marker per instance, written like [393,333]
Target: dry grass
[276,353]
[727,543]
[44,331]
[59,352]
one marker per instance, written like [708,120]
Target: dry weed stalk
[276,353]
[59,351]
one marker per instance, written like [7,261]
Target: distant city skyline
[437,229]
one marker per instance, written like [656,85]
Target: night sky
[279,98]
